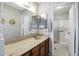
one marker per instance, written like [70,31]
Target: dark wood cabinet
[46,51]
[35,50]
[47,47]
[36,53]
[42,44]
[40,50]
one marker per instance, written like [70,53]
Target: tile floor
[61,50]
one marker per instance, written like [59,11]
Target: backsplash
[13,40]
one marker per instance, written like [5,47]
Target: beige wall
[11,32]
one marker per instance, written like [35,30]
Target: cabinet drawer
[35,49]
[42,44]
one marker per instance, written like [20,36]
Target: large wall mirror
[39,21]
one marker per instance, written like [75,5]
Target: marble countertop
[20,47]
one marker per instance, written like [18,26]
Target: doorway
[61,30]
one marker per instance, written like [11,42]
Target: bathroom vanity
[29,47]
[39,50]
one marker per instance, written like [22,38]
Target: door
[26,20]
[56,32]
[71,29]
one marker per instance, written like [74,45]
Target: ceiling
[58,4]
[20,7]
[65,9]
[11,4]
[62,8]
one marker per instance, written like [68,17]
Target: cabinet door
[46,52]
[47,47]
[34,50]
[42,51]
[36,53]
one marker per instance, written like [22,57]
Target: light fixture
[59,7]
[27,5]
[43,15]
[30,7]
[21,4]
